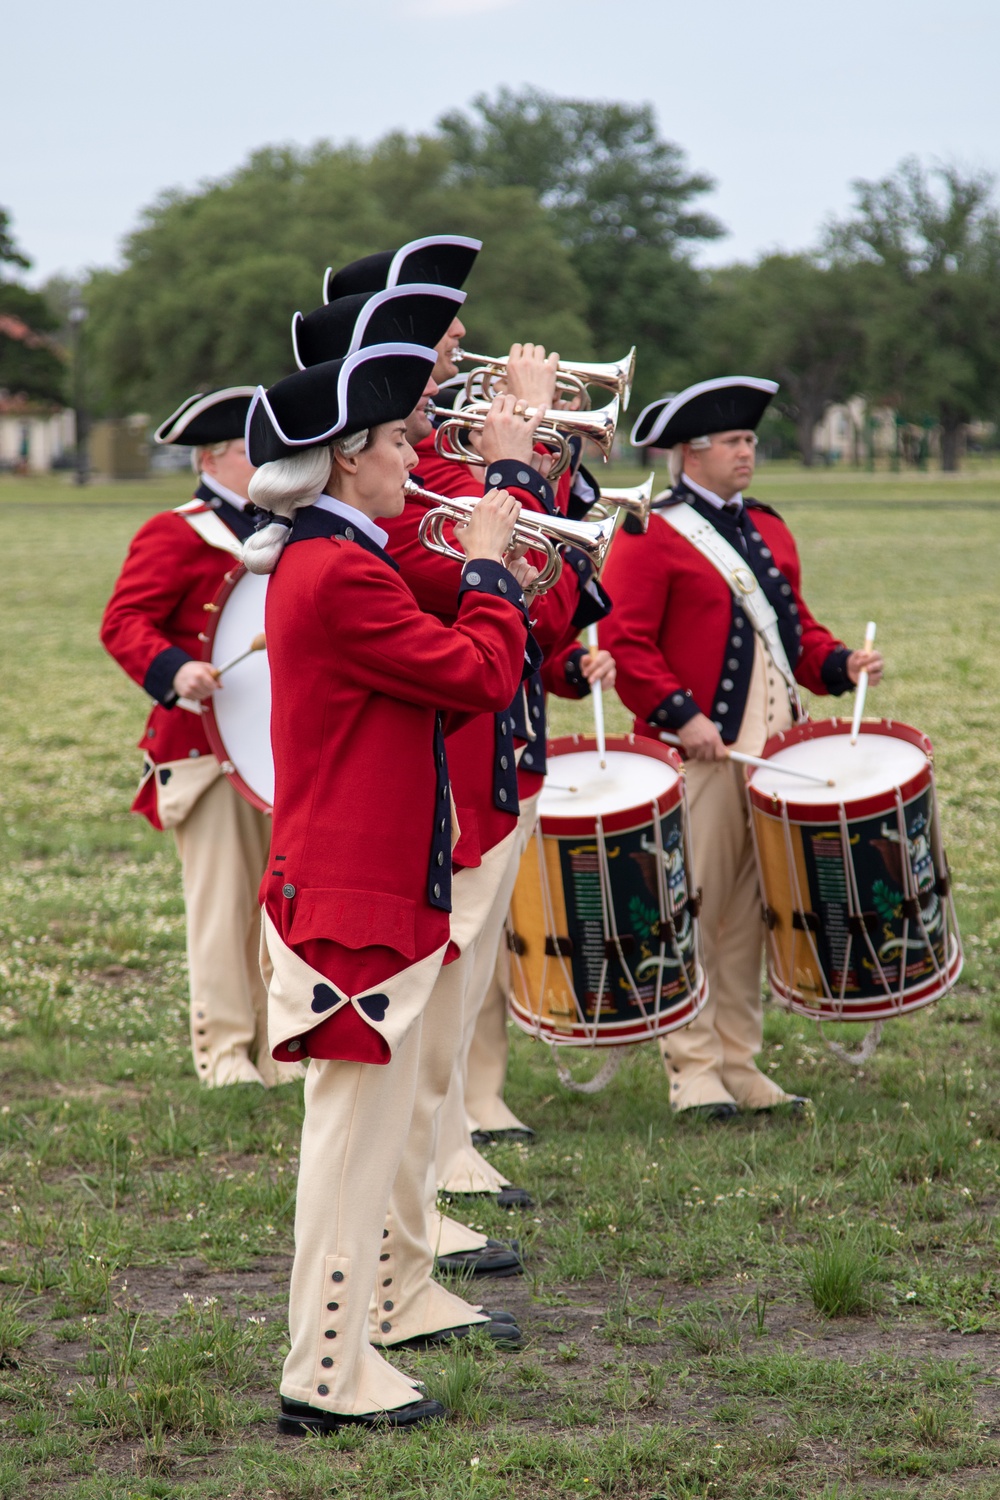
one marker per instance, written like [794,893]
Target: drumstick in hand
[596,692]
[259,643]
[862,687]
[758,760]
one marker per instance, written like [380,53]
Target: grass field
[764,1311]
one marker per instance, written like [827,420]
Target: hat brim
[218,417]
[413,314]
[729,403]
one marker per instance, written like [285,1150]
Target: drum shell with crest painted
[620,860]
[238,716]
[854,879]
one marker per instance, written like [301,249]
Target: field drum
[238,716]
[857,895]
[603,920]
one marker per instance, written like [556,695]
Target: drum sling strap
[744,585]
[210,527]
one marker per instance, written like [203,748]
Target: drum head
[628,780]
[238,718]
[874,765]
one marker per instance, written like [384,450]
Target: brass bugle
[532,530]
[573,376]
[554,432]
[635,501]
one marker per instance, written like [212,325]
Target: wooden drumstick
[259,643]
[757,760]
[862,687]
[597,694]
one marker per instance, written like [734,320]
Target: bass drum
[857,895]
[238,717]
[603,920]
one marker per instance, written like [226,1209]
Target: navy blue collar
[311,523]
[239,523]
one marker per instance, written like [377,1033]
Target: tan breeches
[356,1121]
[223,846]
[460,1167]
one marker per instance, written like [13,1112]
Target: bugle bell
[532,530]
[573,377]
[555,431]
[635,501]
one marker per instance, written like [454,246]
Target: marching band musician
[153,626]
[357,895]
[711,634]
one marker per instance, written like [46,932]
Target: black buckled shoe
[723,1110]
[494,1259]
[797,1104]
[296,1418]
[522,1133]
[501,1332]
[505,1197]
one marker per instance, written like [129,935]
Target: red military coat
[155,617]
[476,751]
[680,643]
[359,877]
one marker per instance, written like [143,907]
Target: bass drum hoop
[219,748]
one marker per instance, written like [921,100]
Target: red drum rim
[211,723]
[613,1033]
[863,807]
[873,1007]
[624,821]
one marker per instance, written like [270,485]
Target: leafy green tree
[792,320]
[931,242]
[212,278]
[620,198]
[30,364]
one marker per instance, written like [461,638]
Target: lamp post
[77,317]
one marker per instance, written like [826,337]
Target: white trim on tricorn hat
[701,410]
[315,382]
[216,429]
[441,294]
[387,269]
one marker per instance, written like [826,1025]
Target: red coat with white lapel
[153,623]
[358,672]
[671,624]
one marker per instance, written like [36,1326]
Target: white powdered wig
[288,485]
[675,461]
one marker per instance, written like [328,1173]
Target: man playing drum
[711,634]
[152,627]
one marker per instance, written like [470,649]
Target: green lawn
[768,1311]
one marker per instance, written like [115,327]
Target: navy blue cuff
[481,575]
[834,672]
[159,679]
[510,474]
[573,672]
[674,712]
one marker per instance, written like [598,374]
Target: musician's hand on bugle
[865,661]
[599,667]
[522,570]
[195,680]
[701,740]
[531,375]
[490,527]
[507,432]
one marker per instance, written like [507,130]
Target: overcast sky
[783,103]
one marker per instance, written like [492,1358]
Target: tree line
[592,223]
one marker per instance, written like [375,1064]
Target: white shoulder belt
[202,519]
[743,583]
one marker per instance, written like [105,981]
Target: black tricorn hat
[314,406]
[201,420]
[730,403]
[443,259]
[413,314]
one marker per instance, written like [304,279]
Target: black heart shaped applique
[323,998]
[165,776]
[375,1006]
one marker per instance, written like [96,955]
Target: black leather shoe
[723,1110]
[494,1259]
[522,1133]
[505,1197]
[296,1418]
[796,1105]
[500,1333]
